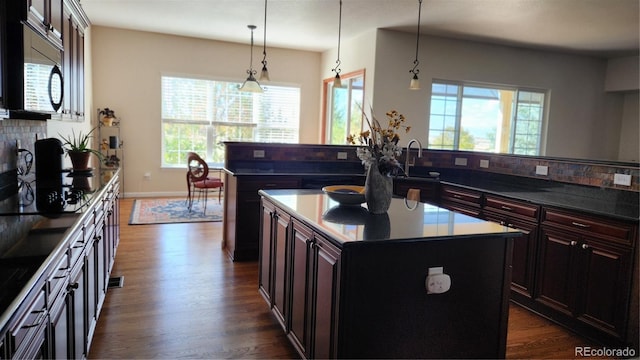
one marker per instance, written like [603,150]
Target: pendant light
[264,74]
[336,81]
[251,84]
[415,83]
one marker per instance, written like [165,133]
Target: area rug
[172,211]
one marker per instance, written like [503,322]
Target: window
[199,114]
[486,118]
[343,115]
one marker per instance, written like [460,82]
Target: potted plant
[108,116]
[77,147]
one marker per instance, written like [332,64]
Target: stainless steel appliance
[35,87]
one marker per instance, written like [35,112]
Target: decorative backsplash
[596,174]
[12,133]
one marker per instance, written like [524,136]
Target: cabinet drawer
[77,244]
[456,194]
[31,316]
[619,231]
[58,278]
[510,207]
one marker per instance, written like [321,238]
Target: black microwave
[35,81]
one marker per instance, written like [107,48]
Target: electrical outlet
[461,161]
[484,164]
[342,155]
[542,170]
[622,179]
[147,176]
[437,282]
[258,154]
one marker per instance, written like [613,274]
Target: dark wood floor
[183,298]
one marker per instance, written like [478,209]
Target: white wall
[127,66]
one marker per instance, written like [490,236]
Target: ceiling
[607,28]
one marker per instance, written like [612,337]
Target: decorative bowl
[345,194]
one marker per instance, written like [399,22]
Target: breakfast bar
[417,282]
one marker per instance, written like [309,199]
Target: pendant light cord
[415,69]
[264,43]
[338,62]
[251,71]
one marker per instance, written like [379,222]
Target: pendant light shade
[251,84]
[264,74]
[415,82]
[337,82]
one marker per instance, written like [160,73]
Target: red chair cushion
[208,183]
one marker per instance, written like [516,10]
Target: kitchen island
[417,282]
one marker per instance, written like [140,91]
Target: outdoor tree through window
[486,118]
[199,114]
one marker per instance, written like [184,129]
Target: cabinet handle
[585,246]
[506,208]
[73,286]
[580,225]
[574,243]
[457,196]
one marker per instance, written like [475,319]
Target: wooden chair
[199,181]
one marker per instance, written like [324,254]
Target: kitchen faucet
[406,160]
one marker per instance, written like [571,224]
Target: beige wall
[584,121]
[127,66]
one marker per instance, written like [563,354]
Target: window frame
[327,104]
[541,139]
[209,119]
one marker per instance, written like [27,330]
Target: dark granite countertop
[618,204]
[404,221]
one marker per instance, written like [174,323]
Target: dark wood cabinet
[429,189]
[584,270]
[242,211]
[73,62]
[58,318]
[366,299]
[59,329]
[45,16]
[314,293]
[524,217]
[275,236]
[460,199]
[28,332]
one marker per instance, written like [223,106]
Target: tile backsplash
[12,133]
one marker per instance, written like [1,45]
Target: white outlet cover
[622,179]
[258,153]
[342,155]
[484,163]
[437,282]
[461,161]
[542,170]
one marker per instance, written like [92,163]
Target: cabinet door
[280,278]
[327,268]
[59,336]
[79,72]
[77,308]
[300,286]
[68,43]
[524,253]
[605,273]
[266,246]
[557,269]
